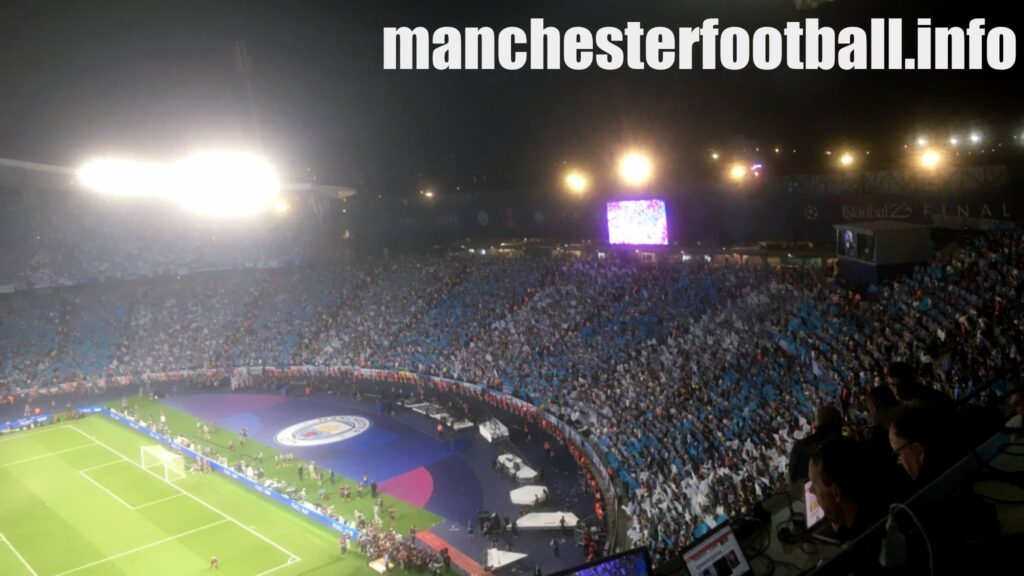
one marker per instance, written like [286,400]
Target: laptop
[814,517]
[717,553]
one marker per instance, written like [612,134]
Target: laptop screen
[814,513]
[716,554]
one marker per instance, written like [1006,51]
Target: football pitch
[75,499]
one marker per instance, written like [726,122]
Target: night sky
[153,79]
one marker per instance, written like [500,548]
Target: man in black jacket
[840,473]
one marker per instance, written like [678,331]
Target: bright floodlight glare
[922,141]
[738,172]
[429,193]
[846,160]
[975,137]
[281,206]
[930,159]
[221,184]
[576,182]
[125,177]
[225,184]
[714,155]
[953,140]
[635,169]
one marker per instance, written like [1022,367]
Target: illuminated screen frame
[637,222]
[717,552]
[813,513]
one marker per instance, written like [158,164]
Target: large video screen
[638,222]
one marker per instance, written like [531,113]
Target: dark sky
[154,78]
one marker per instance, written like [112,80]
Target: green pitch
[74,499]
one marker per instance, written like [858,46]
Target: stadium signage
[903,211]
[320,431]
[30,422]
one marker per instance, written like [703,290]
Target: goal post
[171,465]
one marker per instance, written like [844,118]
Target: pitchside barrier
[242,377]
[216,466]
[25,423]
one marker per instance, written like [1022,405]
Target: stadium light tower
[737,172]
[847,161]
[213,183]
[243,67]
[931,159]
[635,169]
[577,182]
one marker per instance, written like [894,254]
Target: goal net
[170,464]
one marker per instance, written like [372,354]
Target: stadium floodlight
[738,172]
[577,182]
[975,138]
[429,193]
[714,155]
[282,206]
[226,184]
[117,177]
[922,141]
[218,183]
[635,169]
[930,159]
[847,160]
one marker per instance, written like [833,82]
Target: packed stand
[696,380]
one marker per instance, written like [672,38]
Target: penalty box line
[143,547]
[292,558]
[47,455]
[16,553]
[9,436]
[115,496]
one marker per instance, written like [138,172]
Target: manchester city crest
[320,431]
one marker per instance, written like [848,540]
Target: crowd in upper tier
[696,379]
[52,239]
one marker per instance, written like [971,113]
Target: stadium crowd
[696,379]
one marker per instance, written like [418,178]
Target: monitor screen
[638,222]
[813,511]
[716,554]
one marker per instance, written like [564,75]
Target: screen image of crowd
[699,382]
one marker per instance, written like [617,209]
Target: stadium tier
[693,379]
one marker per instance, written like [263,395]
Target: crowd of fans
[695,379]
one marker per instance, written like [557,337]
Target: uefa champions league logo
[320,431]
